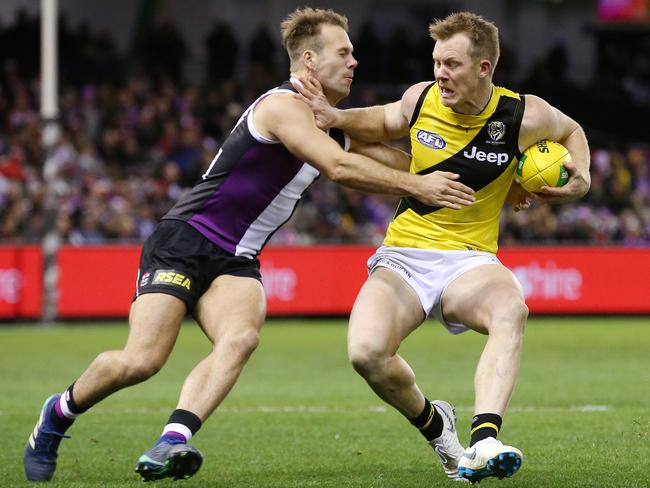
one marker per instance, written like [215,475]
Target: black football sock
[65,411]
[429,422]
[484,425]
[181,426]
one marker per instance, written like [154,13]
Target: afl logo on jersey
[496,130]
[431,139]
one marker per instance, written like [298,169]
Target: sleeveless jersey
[250,189]
[483,149]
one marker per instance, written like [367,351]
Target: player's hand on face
[576,187]
[310,91]
[518,197]
[441,189]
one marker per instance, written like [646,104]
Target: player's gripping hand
[440,189]
[310,91]
[576,187]
[518,197]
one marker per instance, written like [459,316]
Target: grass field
[300,417]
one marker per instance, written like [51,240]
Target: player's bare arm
[382,123]
[369,124]
[397,159]
[290,121]
[385,154]
[543,121]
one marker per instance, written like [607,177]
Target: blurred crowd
[132,141]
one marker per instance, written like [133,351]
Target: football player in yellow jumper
[440,260]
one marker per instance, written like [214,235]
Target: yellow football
[542,164]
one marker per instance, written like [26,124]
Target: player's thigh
[482,294]
[154,322]
[385,312]
[231,305]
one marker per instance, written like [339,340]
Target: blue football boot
[40,453]
[169,459]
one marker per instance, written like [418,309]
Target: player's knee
[125,368]
[524,313]
[519,313]
[366,358]
[110,363]
[139,369]
[510,317]
[242,343]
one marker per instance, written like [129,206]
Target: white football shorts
[429,272]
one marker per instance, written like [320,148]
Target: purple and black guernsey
[250,189]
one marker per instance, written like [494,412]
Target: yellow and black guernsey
[483,149]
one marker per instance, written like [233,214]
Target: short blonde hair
[483,34]
[302,27]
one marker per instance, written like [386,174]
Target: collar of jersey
[468,119]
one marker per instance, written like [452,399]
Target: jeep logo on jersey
[496,130]
[490,157]
[431,139]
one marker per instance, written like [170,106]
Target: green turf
[300,417]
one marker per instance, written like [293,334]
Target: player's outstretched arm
[368,124]
[291,122]
[387,155]
[543,121]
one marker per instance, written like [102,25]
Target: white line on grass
[382,409]
[323,409]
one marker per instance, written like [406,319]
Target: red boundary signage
[21,282]
[324,280]
[99,281]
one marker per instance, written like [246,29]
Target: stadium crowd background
[137,131]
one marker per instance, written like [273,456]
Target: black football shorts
[178,260]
